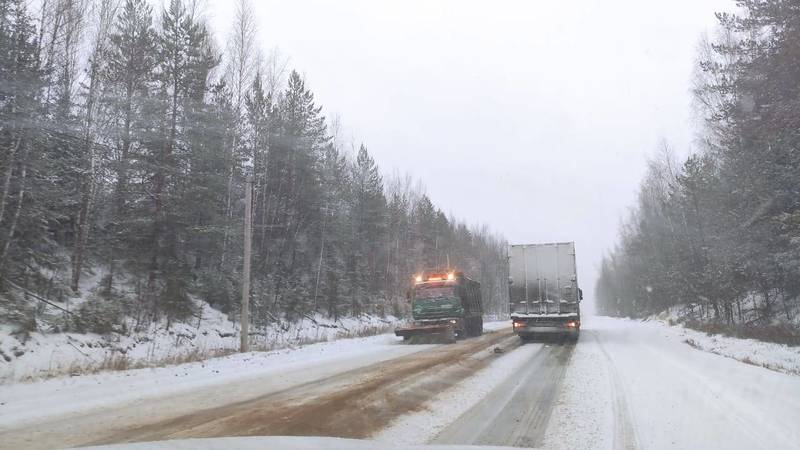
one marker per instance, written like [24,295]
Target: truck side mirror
[408,294]
[580,294]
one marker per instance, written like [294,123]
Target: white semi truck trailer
[543,290]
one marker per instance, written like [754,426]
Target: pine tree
[21,82]
[184,60]
[294,173]
[131,59]
[369,225]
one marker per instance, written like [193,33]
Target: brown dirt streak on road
[333,407]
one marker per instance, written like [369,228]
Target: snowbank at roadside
[778,357]
[26,402]
[30,356]
[22,402]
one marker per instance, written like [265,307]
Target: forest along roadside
[357,392]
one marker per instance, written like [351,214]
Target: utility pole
[248,234]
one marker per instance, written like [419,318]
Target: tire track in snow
[624,432]
[517,412]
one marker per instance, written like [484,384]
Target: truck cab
[445,303]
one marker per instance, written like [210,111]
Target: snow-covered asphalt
[666,394]
[516,413]
[626,384]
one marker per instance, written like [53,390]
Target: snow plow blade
[427,334]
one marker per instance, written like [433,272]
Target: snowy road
[516,413]
[351,390]
[665,394]
[625,385]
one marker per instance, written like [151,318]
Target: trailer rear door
[544,278]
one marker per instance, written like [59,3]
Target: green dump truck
[445,306]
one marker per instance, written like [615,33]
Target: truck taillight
[572,324]
[518,324]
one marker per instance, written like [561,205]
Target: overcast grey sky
[533,117]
